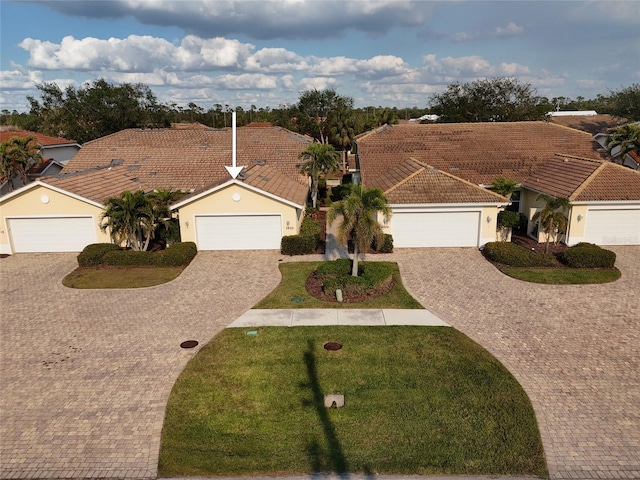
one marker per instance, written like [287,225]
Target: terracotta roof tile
[589,123]
[611,182]
[562,175]
[476,152]
[184,159]
[44,140]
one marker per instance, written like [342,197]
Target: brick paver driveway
[85,375]
[575,350]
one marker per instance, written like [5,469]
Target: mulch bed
[531,244]
[314,287]
[321,217]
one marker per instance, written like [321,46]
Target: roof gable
[46,185]
[44,140]
[611,182]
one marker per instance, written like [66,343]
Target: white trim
[240,184]
[447,206]
[39,183]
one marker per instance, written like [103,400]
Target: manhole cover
[332,346]
[189,344]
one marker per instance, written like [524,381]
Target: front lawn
[418,400]
[563,276]
[291,290]
[120,277]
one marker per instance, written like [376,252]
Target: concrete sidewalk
[306,317]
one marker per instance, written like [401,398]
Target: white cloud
[136,54]
[511,29]
[318,83]
[276,60]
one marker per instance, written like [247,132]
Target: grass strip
[292,286]
[120,277]
[563,276]
[418,400]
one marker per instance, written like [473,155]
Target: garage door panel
[239,232]
[51,234]
[435,229]
[613,227]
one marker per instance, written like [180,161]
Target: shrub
[508,219]
[387,245]
[304,243]
[514,255]
[588,255]
[129,258]
[298,244]
[176,255]
[93,254]
[337,275]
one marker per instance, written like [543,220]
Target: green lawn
[418,400]
[563,276]
[120,277]
[292,286]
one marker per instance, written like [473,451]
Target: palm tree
[165,226]
[321,159]
[130,219]
[552,217]
[359,211]
[626,138]
[504,187]
[342,133]
[19,154]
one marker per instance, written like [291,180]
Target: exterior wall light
[489,219]
[580,217]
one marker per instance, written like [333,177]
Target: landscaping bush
[304,243]
[298,244]
[508,219]
[387,245]
[588,255]
[514,255]
[129,258]
[93,254]
[176,255]
[337,275]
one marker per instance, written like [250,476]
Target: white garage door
[613,227]
[51,234]
[239,232]
[435,229]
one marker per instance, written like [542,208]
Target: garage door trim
[472,235]
[628,236]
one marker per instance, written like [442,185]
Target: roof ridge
[574,130]
[577,157]
[462,180]
[405,180]
[588,180]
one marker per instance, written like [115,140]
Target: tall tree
[552,218]
[165,227]
[359,212]
[625,102]
[17,155]
[129,219]
[489,100]
[503,186]
[316,112]
[624,139]
[96,110]
[320,159]
[343,130]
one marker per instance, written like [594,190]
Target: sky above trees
[264,53]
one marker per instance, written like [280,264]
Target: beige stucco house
[253,211]
[436,178]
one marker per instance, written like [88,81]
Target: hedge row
[176,255]
[588,255]
[387,244]
[304,243]
[337,275]
[508,253]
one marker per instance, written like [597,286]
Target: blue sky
[265,53]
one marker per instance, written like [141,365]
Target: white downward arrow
[234,170]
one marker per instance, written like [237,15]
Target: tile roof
[476,152]
[589,123]
[180,159]
[44,140]
[425,184]
[562,175]
[272,181]
[611,182]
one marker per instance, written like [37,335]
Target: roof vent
[433,170]
[243,176]
[264,177]
[116,161]
[260,162]
[133,167]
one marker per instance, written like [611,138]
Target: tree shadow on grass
[331,459]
